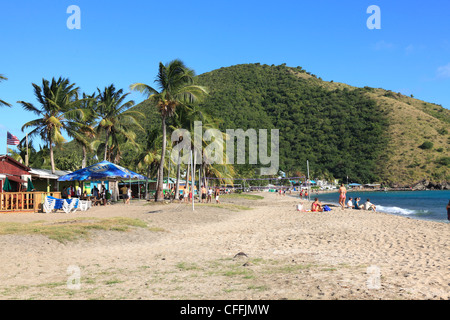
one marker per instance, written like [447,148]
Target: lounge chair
[49,204]
[70,205]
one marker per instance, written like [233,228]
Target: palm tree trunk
[177,186]
[159,190]
[83,163]
[52,160]
[146,182]
[106,145]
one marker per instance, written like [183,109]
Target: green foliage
[427,145]
[340,132]
[445,161]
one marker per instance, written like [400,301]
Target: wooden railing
[24,201]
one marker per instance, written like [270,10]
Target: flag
[12,140]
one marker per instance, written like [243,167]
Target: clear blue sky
[122,42]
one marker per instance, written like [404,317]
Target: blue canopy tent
[354,184]
[103,170]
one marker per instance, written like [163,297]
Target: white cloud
[383,45]
[443,71]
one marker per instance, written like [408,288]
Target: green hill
[367,134]
[370,135]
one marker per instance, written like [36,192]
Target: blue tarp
[104,170]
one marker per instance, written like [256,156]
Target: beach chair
[85,205]
[70,206]
[49,204]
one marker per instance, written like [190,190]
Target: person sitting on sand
[357,206]
[316,206]
[369,206]
[350,203]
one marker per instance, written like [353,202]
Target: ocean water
[425,205]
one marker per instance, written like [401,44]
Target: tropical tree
[175,87]
[83,135]
[3,103]
[115,120]
[58,111]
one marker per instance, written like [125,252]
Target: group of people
[343,195]
[72,192]
[305,194]
[366,206]
[208,193]
[101,196]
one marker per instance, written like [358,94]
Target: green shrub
[426,145]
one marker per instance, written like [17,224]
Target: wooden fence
[24,201]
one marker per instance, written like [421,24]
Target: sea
[423,205]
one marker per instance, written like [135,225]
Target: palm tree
[115,119]
[176,87]
[3,103]
[84,134]
[59,107]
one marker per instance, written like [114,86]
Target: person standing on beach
[209,195]
[203,194]
[342,195]
[217,193]
[128,195]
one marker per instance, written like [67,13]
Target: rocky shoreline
[423,185]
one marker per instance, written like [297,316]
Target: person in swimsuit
[342,196]
[316,206]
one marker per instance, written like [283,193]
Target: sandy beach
[186,254]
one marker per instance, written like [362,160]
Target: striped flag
[12,140]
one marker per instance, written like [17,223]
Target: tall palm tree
[84,134]
[59,107]
[115,119]
[175,87]
[3,103]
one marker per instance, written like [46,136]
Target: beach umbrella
[103,170]
[30,186]
[7,185]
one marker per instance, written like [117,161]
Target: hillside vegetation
[371,135]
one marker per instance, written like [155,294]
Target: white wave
[396,210]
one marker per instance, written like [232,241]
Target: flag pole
[26,158]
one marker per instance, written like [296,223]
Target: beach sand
[186,254]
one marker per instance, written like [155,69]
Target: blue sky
[122,42]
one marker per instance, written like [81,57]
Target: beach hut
[16,172]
